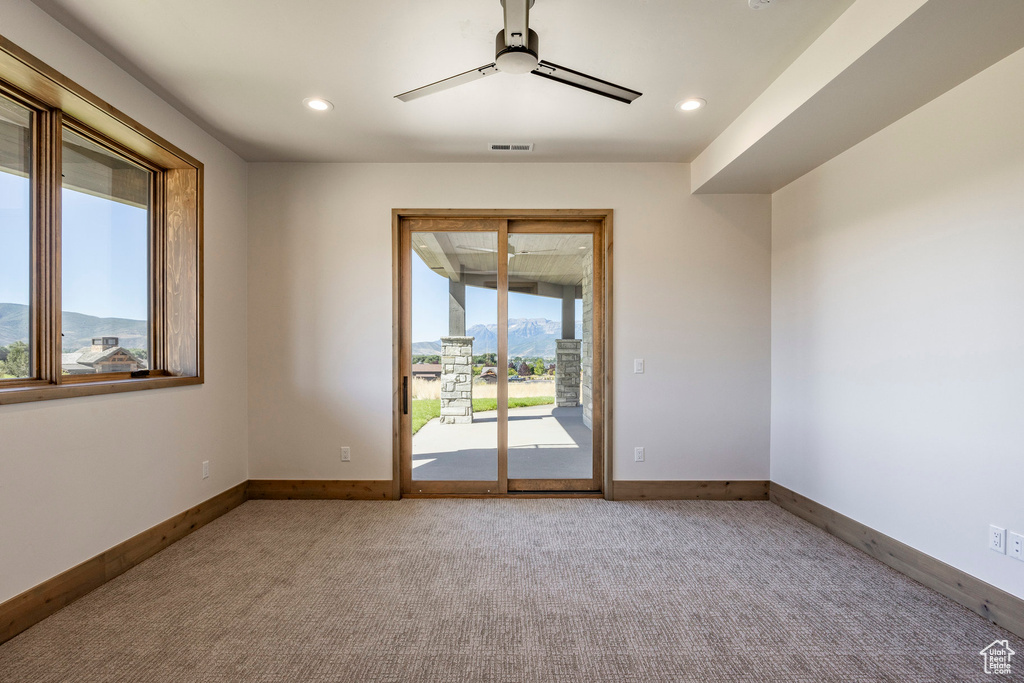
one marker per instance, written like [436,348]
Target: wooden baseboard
[994,604]
[35,604]
[755,489]
[319,489]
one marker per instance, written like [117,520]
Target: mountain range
[79,329]
[528,337]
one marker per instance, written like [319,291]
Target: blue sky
[104,252]
[430,305]
[105,266]
[14,239]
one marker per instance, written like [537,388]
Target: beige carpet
[508,590]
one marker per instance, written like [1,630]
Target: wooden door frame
[602,383]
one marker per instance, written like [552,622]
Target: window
[105,275]
[100,244]
[16,340]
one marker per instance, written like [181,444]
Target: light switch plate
[1015,545]
[638,366]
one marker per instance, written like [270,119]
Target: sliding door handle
[405,395]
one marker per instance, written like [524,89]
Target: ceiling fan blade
[492,251]
[517,22]
[464,77]
[585,82]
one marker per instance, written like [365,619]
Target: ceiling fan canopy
[516,51]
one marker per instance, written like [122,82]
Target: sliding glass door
[500,367]
[550,436]
[454,306]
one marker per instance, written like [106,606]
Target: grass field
[425,388]
[426,409]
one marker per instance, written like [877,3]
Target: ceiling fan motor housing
[517,59]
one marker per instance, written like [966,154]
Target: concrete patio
[545,442]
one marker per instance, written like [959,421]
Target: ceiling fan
[515,52]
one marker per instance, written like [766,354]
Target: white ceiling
[241,68]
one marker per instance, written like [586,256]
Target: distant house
[426,370]
[489,374]
[105,355]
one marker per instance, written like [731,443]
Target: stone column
[568,311]
[456,308]
[456,380]
[567,373]
[587,348]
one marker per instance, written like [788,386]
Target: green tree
[539,367]
[16,364]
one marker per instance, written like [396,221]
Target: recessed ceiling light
[318,104]
[691,104]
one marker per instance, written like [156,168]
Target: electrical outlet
[1016,545]
[206,469]
[997,539]
[346,454]
[638,454]
[638,366]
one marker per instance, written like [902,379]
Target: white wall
[691,281]
[898,327]
[78,476]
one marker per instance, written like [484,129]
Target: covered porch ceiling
[540,264]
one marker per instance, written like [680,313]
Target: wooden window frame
[175,243]
[602,337]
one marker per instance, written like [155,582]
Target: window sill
[47,392]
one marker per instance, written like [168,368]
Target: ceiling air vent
[511,147]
